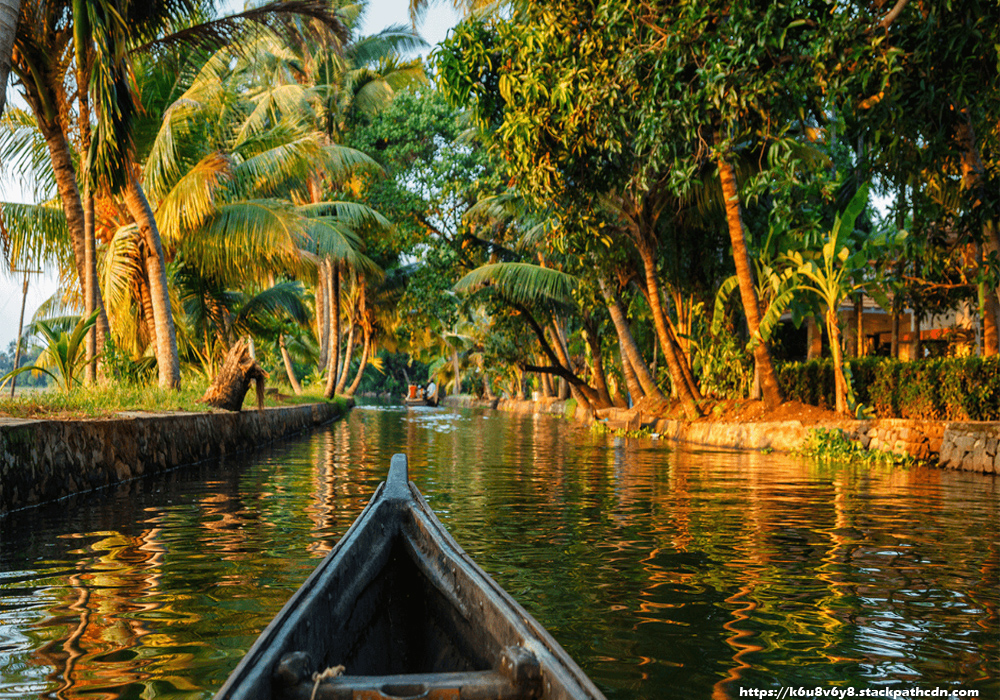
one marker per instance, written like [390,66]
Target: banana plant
[833,276]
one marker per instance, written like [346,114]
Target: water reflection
[665,573]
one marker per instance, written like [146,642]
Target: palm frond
[333,238]
[393,40]
[284,299]
[24,154]
[372,92]
[164,164]
[122,268]
[269,170]
[202,103]
[283,17]
[277,103]
[521,283]
[121,274]
[354,214]
[249,235]
[340,162]
[32,234]
[192,199]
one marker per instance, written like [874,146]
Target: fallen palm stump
[232,382]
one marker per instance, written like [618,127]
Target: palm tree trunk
[334,306]
[814,340]
[635,391]
[366,348]
[991,324]
[584,395]
[90,287]
[322,316]
[563,348]
[458,371]
[345,365]
[560,364]
[685,392]
[289,370]
[69,193]
[9,10]
[147,313]
[166,338]
[546,382]
[89,244]
[629,348]
[859,326]
[76,218]
[488,388]
[991,304]
[894,342]
[748,287]
[597,367]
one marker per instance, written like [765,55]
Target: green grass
[105,401]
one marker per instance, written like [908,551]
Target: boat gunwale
[401,497]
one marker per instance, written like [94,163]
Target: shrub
[950,388]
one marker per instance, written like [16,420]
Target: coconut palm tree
[108,29]
[231,180]
[335,86]
[9,10]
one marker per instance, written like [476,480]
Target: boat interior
[406,624]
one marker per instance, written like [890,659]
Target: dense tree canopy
[560,207]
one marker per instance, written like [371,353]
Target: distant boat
[421,402]
[408,614]
[418,397]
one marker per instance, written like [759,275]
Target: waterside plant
[833,445]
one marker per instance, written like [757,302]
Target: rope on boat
[331,672]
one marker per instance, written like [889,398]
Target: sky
[438,19]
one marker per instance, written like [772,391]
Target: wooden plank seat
[518,678]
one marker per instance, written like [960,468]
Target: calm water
[666,574]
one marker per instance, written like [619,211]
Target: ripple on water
[664,572]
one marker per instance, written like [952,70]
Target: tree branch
[893,14]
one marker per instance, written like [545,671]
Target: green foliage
[833,445]
[122,368]
[722,363]
[28,357]
[65,353]
[953,389]
[569,411]
[398,370]
[603,429]
[520,282]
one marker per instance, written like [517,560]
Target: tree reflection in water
[664,572]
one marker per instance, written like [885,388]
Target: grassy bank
[104,401]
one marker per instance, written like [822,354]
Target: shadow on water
[665,573]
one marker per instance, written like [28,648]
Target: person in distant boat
[431,391]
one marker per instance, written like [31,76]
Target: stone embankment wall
[950,445]
[44,460]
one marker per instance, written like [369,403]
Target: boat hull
[420,402]
[407,613]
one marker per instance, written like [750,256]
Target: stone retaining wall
[971,446]
[44,460]
[467,401]
[964,446]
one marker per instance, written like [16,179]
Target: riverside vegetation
[642,204]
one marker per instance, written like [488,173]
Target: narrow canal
[665,573]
